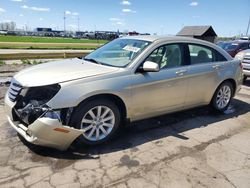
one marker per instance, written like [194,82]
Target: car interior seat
[174,59]
[202,57]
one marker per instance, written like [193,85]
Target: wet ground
[194,148]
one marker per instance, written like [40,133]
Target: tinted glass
[219,57]
[200,54]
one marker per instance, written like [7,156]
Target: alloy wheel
[97,123]
[223,96]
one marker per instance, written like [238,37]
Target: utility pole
[78,19]
[248,27]
[64,22]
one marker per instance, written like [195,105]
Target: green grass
[51,47]
[6,38]
[30,62]
[2,63]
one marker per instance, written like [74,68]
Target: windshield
[223,45]
[118,53]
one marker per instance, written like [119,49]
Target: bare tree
[8,26]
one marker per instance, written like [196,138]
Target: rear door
[203,74]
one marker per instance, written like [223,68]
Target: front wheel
[222,97]
[99,119]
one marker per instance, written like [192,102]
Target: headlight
[41,93]
[31,103]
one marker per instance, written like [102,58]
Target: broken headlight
[41,93]
[31,102]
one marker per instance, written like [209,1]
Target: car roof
[240,41]
[178,39]
[153,38]
[245,51]
[159,38]
[150,38]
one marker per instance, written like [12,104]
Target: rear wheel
[222,96]
[99,119]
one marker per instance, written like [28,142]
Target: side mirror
[149,66]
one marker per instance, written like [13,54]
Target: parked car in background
[244,56]
[223,44]
[235,47]
[130,78]
[245,38]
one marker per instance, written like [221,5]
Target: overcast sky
[228,17]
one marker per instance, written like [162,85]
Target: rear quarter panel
[231,70]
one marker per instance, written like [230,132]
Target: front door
[155,93]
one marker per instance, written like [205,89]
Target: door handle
[216,66]
[180,72]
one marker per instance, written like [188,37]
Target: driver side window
[167,56]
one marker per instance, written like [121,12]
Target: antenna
[78,19]
[248,26]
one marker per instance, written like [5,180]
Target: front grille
[246,59]
[14,90]
[246,69]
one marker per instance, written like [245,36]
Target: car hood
[60,71]
[246,51]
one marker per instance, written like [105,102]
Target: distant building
[200,32]
[43,29]
[133,33]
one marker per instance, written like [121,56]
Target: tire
[222,96]
[107,126]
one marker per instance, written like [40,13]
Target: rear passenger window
[200,54]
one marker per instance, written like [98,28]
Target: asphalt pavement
[193,148]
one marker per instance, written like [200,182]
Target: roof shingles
[197,31]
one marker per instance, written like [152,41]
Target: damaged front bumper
[44,131]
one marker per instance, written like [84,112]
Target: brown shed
[200,32]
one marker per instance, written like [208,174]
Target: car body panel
[41,133]
[196,93]
[44,130]
[157,92]
[244,56]
[240,46]
[60,71]
[212,75]
[75,91]
[145,94]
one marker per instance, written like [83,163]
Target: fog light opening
[28,132]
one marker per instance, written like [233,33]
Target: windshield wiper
[93,60]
